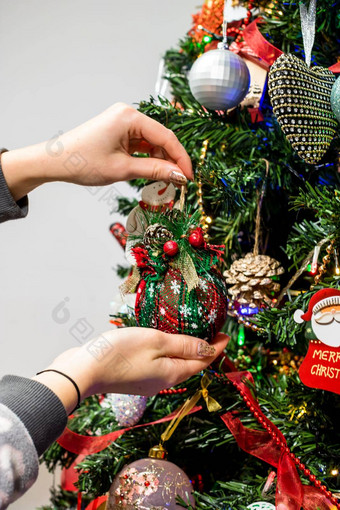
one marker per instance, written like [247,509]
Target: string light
[336,258]
[205,220]
[334,472]
[241,337]
[314,265]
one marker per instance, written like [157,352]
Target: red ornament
[196,238]
[320,368]
[119,232]
[170,248]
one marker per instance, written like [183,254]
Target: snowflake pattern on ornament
[203,285]
[162,311]
[194,325]
[185,310]
[175,287]
[151,289]
[199,311]
[212,316]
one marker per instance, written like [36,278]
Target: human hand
[101,149]
[139,361]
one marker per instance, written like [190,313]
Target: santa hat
[322,298]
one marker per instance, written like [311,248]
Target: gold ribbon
[212,406]
[130,285]
[187,268]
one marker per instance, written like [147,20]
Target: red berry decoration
[196,238]
[170,248]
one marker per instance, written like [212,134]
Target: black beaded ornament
[301,100]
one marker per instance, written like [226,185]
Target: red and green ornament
[179,286]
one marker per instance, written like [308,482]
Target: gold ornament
[252,280]
[325,261]
[253,276]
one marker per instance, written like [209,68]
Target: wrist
[61,386]
[23,170]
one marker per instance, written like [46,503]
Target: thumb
[156,169]
[186,347]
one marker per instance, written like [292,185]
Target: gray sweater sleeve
[32,418]
[9,209]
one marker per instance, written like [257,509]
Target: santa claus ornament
[321,366]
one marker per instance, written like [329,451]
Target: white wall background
[60,64]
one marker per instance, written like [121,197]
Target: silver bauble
[335,99]
[219,79]
[128,409]
[149,484]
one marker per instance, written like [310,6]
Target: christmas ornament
[154,483]
[261,505]
[170,248]
[118,231]
[128,409]
[210,19]
[254,276]
[157,196]
[252,279]
[182,289]
[322,269]
[196,239]
[335,99]
[301,102]
[151,483]
[156,235]
[219,79]
[300,96]
[321,366]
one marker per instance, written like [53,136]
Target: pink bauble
[149,484]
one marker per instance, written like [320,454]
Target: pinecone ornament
[155,236]
[252,280]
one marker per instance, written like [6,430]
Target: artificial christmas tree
[274,441]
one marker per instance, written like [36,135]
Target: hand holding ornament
[138,361]
[98,153]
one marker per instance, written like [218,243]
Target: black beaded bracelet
[70,379]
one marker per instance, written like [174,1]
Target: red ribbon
[245,51]
[69,476]
[291,494]
[96,503]
[255,40]
[86,445]
[335,68]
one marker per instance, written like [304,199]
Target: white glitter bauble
[150,484]
[261,505]
[128,409]
[219,79]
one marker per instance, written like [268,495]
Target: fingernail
[177,178]
[204,349]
